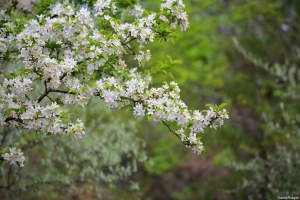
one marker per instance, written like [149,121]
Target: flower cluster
[77,54]
[14,156]
[25,5]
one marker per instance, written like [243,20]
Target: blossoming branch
[77,53]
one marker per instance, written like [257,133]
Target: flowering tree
[69,53]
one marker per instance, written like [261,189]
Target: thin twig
[47,91]
[131,49]
[50,98]
[63,76]
[185,142]
[171,129]
[27,97]
[124,43]
[52,90]
[126,38]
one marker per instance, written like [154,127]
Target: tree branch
[184,142]
[131,49]
[47,91]
[12,118]
[126,42]
[52,90]
[171,129]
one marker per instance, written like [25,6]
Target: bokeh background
[241,52]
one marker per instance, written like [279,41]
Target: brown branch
[126,39]
[171,129]
[12,118]
[50,98]
[27,97]
[63,76]
[131,49]
[52,90]
[184,142]
[126,42]
[80,62]
[47,91]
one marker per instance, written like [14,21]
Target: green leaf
[9,76]
[171,75]
[176,62]
[170,59]
[23,108]
[222,105]
[4,150]
[129,109]
[72,91]
[8,28]
[211,106]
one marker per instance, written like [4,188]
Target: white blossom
[15,156]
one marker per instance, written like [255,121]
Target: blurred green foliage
[166,156]
[214,70]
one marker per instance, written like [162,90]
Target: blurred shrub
[275,169]
[59,168]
